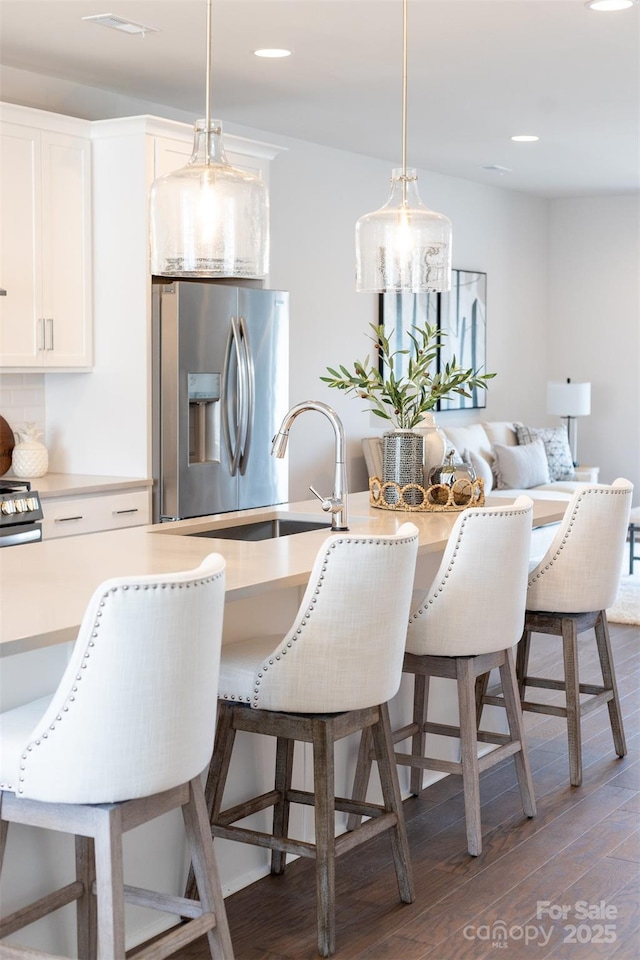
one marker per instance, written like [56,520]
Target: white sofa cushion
[472,438]
[523,467]
[481,467]
[502,431]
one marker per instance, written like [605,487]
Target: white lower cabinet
[69,516]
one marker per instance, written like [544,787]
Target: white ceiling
[479,71]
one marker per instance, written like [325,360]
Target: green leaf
[404,399]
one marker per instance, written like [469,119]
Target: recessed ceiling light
[272,53]
[609,6]
[525,138]
[119,23]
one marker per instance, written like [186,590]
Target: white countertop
[75,484]
[45,587]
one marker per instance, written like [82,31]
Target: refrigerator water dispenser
[204,417]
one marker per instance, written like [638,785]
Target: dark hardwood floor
[580,852]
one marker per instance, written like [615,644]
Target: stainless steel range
[20,513]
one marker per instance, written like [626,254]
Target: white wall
[593,327]
[22,400]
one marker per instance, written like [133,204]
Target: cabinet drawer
[70,516]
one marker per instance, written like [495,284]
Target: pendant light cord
[404,101]
[207,109]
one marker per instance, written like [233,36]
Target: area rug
[626,608]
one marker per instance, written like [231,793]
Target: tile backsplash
[22,399]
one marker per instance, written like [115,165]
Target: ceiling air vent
[118,23]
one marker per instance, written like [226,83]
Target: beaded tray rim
[377,488]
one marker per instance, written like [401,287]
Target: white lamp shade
[569,399]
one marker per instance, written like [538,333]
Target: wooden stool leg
[198,831]
[323,780]
[4,830]
[361,776]
[381,732]
[217,776]
[86,906]
[482,682]
[609,681]
[572,686]
[284,773]
[418,741]
[110,883]
[220,760]
[469,753]
[522,661]
[516,729]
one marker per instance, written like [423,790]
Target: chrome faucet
[337,503]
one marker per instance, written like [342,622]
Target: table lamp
[569,401]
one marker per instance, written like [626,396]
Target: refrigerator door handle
[233,343]
[245,444]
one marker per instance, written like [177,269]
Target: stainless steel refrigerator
[220,392]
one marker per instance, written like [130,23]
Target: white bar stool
[123,740]
[329,676]
[568,593]
[468,623]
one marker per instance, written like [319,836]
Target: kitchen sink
[264,529]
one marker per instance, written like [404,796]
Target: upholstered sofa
[506,471]
[511,459]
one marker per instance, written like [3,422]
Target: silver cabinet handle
[67,519]
[117,513]
[43,338]
[49,320]
[3,292]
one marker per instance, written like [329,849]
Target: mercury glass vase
[402,462]
[209,219]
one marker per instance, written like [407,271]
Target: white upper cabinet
[45,243]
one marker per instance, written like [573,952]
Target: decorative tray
[439,497]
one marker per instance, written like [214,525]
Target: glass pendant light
[209,219]
[403,246]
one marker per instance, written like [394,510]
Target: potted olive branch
[405,398]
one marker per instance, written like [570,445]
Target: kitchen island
[44,588]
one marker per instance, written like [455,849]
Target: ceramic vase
[30,457]
[435,444]
[403,463]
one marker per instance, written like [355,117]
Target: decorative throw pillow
[519,468]
[482,468]
[556,445]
